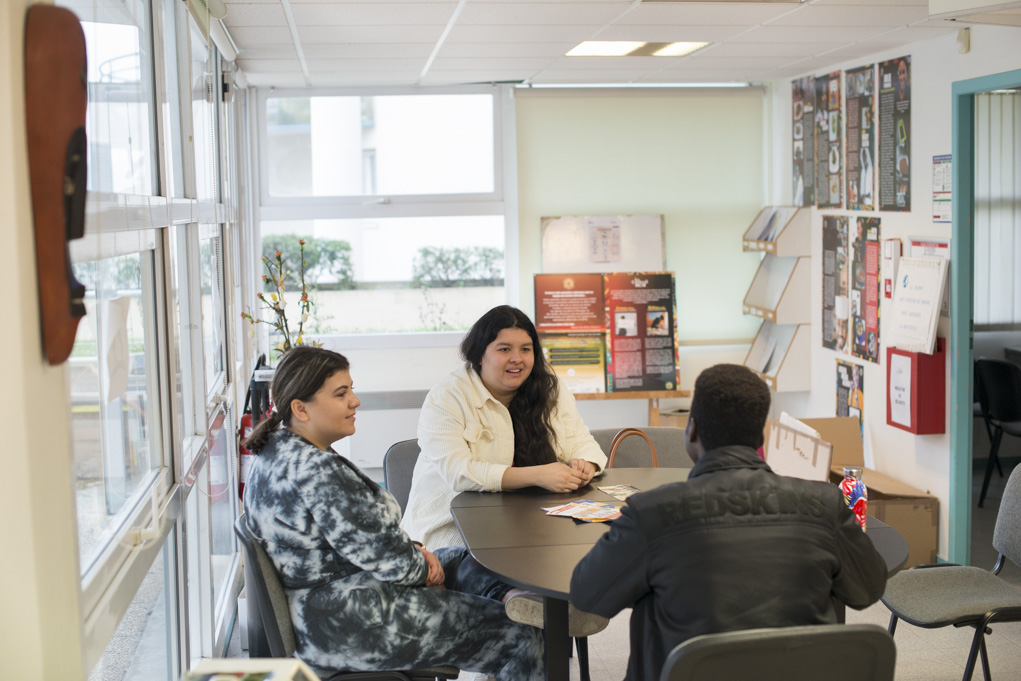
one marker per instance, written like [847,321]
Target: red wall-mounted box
[916,390]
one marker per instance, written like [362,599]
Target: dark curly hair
[532,406]
[730,406]
[299,376]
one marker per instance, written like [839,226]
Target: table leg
[558,642]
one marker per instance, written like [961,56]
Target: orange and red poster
[570,317]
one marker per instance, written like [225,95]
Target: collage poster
[850,389]
[829,159]
[850,286]
[571,321]
[835,304]
[865,289]
[641,336]
[895,134]
[861,138]
[609,332]
[803,128]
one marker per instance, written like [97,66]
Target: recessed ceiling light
[678,49]
[604,48]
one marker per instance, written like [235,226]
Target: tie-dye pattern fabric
[355,582]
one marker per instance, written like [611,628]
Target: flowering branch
[275,302]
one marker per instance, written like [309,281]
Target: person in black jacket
[735,547]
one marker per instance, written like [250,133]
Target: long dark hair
[532,406]
[299,376]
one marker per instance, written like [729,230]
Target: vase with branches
[275,280]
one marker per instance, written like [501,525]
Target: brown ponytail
[299,376]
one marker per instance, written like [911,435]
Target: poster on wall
[641,333]
[861,138]
[835,268]
[829,158]
[570,316]
[803,130]
[850,389]
[895,134]
[942,188]
[865,289]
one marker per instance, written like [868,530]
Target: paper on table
[585,510]
[620,492]
[900,389]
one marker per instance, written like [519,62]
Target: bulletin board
[603,243]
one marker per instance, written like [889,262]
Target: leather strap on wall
[625,432]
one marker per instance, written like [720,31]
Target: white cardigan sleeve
[576,440]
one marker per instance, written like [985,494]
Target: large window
[400,200]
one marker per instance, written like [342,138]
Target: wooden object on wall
[56,95]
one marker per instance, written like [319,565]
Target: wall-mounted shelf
[780,355]
[780,291]
[783,231]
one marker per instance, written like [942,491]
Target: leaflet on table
[585,510]
[619,492]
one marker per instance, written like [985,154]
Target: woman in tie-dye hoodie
[362,594]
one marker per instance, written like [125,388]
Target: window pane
[393,145]
[212,305]
[203,110]
[120,112]
[142,648]
[113,396]
[174,15]
[391,275]
[221,501]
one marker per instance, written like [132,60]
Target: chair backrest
[633,452]
[835,652]
[1001,388]
[265,593]
[399,468]
[1007,532]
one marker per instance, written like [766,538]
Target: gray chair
[933,596]
[633,452]
[271,633]
[998,388]
[835,652]
[399,469]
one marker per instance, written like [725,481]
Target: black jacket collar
[727,458]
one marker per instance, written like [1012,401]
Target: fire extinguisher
[247,425]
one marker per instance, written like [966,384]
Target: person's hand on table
[436,575]
[559,477]
[586,469]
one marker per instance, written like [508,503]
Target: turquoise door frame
[961,298]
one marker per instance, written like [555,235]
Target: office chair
[1000,399]
[933,596]
[399,469]
[633,452]
[269,618]
[835,652]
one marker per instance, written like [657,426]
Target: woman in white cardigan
[501,422]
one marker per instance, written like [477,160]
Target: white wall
[922,461]
[39,630]
[694,157]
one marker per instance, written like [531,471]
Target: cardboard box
[677,418]
[913,512]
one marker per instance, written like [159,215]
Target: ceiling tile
[511,50]
[261,35]
[496,64]
[710,62]
[910,34]
[883,15]
[332,35]
[269,65]
[269,52]
[372,13]
[291,79]
[339,65]
[522,34]
[816,34]
[545,13]
[465,76]
[608,76]
[254,15]
[796,49]
[367,50]
[668,34]
[712,14]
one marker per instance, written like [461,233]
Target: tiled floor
[922,654]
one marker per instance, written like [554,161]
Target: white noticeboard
[603,243]
[916,303]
